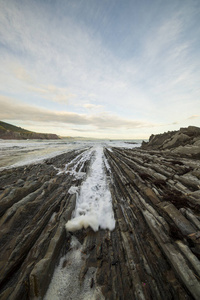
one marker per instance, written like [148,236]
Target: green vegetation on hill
[11,127]
[11,132]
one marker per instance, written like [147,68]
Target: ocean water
[15,153]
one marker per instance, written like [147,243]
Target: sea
[14,153]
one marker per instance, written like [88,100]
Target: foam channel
[94,202]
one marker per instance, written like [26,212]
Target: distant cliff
[185,141]
[11,132]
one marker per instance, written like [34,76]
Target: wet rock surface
[153,252]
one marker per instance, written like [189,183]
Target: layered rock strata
[184,142]
[153,252]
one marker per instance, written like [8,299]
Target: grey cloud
[14,110]
[79,130]
[11,110]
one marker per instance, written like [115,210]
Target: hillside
[11,132]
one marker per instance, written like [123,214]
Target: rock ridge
[184,142]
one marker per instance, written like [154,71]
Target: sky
[118,69]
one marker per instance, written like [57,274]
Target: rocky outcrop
[184,142]
[153,252]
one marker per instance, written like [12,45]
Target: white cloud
[53,93]
[194,117]
[93,107]
[20,73]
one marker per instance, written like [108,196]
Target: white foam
[77,162]
[73,189]
[82,222]
[94,203]
[65,283]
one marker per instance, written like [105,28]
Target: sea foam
[94,202]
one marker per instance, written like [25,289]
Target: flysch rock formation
[152,253]
[184,142]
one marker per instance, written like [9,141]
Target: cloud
[193,117]
[89,105]
[53,93]
[93,107]
[77,52]
[20,73]
[49,92]
[12,110]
